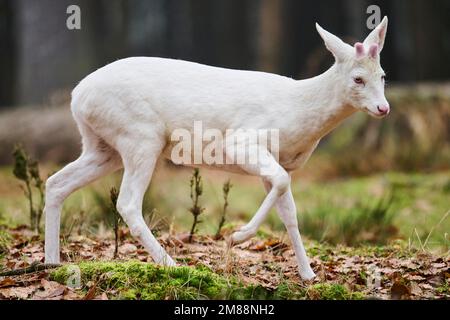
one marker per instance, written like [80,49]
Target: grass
[362,223]
[143,281]
[377,209]
[4,241]
[5,238]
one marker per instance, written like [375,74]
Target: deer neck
[321,103]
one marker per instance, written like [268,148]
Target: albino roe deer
[127,110]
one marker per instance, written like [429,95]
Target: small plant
[27,170]
[5,240]
[226,190]
[77,222]
[114,194]
[196,192]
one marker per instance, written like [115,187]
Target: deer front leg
[287,211]
[268,168]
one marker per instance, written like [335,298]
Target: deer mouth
[377,115]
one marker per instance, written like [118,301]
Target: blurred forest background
[41,60]
[39,55]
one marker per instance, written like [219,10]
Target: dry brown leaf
[274,244]
[17,292]
[69,294]
[127,249]
[439,265]
[50,290]
[415,289]
[414,277]
[7,282]
[91,292]
[57,293]
[436,281]
[103,296]
[399,291]
[184,237]
[426,286]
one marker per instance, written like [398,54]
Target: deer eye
[358,80]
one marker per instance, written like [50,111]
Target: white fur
[127,110]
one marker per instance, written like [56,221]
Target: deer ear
[336,46]
[377,35]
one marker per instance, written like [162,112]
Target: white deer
[127,110]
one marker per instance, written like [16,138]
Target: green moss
[289,290]
[143,281]
[137,280]
[327,291]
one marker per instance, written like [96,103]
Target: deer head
[359,71]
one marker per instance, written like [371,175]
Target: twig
[114,196]
[34,267]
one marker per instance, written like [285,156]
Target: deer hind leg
[96,160]
[268,168]
[138,168]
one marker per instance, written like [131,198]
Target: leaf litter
[391,272]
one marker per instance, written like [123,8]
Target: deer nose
[383,109]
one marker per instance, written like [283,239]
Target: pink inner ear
[381,33]
[359,49]
[373,50]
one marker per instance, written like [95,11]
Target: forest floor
[262,268]
[383,236]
